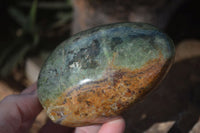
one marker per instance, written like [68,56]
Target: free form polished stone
[96,74]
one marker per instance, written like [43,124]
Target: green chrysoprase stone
[96,74]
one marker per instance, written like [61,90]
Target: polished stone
[96,74]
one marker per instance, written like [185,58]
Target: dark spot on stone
[88,103]
[93,91]
[64,101]
[58,113]
[97,86]
[132,92]
[92,64]
[94,49]
[152,40]
[98,93]
[54,71]
[94,30]
[128,90]
[82,97]
[117,76]
[76,39]
[79,99]
[127,83]
[78,88]
[112,97]
[132,76]
[115,41]
[72,90]
[87,88]
[135,36]
[70,52]
[76,112]
[119,105]
[68,94]
[140,73]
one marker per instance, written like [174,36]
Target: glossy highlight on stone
[96,74]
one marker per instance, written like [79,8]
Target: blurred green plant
[62,18]
[27,38]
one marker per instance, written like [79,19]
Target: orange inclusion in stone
[97,101]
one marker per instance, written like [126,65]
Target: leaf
[32,15]
[68,3]
[15,53]
[18,16]
[63,18]
[13,58]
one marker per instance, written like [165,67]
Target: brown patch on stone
[109,96]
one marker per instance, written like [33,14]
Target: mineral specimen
[96,74]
